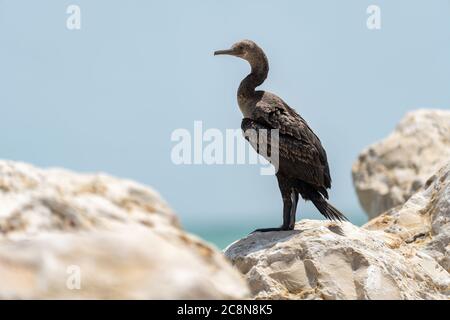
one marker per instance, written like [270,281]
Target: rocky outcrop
[68,235]
[403,254]
[387,173]
[423,222]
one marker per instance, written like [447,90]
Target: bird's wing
[300,150]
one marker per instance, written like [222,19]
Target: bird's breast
[245,106]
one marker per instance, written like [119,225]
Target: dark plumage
[303,166]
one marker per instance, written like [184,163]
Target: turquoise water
[223,234]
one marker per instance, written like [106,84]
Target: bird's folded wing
[281,116]
[298,158]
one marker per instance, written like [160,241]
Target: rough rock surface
[423,222]
[387,173]
[403,254]
[68,235]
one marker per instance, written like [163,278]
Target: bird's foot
[282,228]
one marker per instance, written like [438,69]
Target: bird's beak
[219,52]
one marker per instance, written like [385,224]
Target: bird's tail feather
[328,210]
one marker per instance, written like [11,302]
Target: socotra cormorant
[302,161]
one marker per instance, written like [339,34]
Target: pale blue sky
[107,97]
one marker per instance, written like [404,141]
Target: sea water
[222,234]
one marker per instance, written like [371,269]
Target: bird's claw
[271,229]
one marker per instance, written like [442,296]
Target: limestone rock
[423,222]
[111,238]
[387,173]
[403,254]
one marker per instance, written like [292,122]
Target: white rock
[121,236]
[403,254]
[424,220]
[387,173]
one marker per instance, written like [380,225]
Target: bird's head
[245,49]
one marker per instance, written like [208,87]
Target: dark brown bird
[303,166]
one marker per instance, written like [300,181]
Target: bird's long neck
[260,69]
